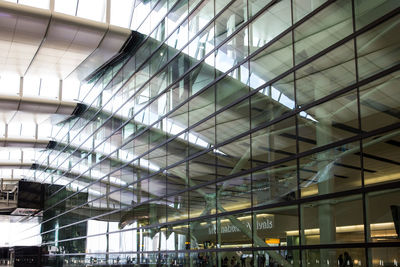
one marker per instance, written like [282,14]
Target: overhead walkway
[21,197]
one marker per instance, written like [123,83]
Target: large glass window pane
[272,101]
[202,44]
[176,15]
[381,156]
[202,259]
[270,144]
[234,231]
[370,10]
[232,52]
[322,30]
[301,8]
[271,62]
[234,157]
[200,17]
[380,102]
[202,106]
[328,74]
[383,210]
[378,48]
[330,171]
[275,184]
[268,25]
[202,201]
[233,121]
[202,169]
[331,121]
[234,194]
[276,226]
[179,202]
[203,234]
[385,256]
[231,19]
[232,87]
[158,13]
[338,220]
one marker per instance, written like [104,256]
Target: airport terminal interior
[200,133]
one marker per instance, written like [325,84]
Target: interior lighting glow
[345,229]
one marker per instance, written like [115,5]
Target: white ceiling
[35,41]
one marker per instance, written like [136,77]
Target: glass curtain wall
[240,133]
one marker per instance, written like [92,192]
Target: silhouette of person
[348,261]
[340,260]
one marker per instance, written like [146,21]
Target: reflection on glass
[369,10]
[381,158]
[234,157]
[270,144]
[203,259]
[389,256]
[234,120]
[331,121]
[338,220]
[322,30]
[216,191]
[269,24]
[378,48]
[202,201]
[275,184]
[271,62]
[334,257]
[333,170]
[200,16]
[383,209]
[234,231]
[231,19]
[203,234]
[379,101]
[302,8]
[276,227]
[234,194]
[272,257]
[325,75]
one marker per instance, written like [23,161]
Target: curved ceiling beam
[15,165]
[23,142]
[36,105]
[41,42]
